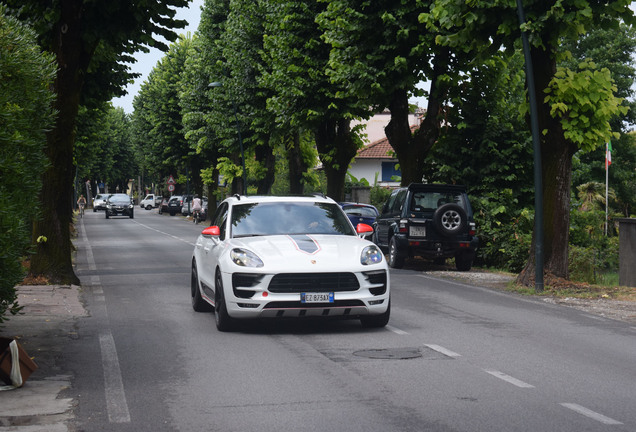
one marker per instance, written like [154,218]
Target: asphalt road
[453,358]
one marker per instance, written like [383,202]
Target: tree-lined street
[454,357]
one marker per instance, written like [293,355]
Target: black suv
[175,204]
[434,221]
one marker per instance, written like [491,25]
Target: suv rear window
[425,201]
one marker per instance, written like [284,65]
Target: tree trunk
[336,148]
[265,156]
[556,160]
[410,147]
[53,256]
[296,166]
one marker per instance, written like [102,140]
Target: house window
[389,170]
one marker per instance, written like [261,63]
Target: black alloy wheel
[224,322]
[198,304]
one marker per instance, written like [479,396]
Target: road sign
[170,188]
[171,180]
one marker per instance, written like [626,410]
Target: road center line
[591,414]
[509,379]
[442,350]
[116,404]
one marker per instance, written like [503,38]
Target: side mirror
[212,231]
[364,230]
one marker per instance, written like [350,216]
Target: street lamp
[238,130]
[536,144]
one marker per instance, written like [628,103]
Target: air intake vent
[314,282]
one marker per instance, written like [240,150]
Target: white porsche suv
[288,257]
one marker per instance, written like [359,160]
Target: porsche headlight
[371,255]
[245,258]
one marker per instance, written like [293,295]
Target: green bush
[379,195]
[25,114]
[504,231]
[590,263]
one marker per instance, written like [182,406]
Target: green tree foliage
[158,125]
[26,113]
[486,146]
[611,49]
[304,96]
[464,27]
[91,42]
[103,150]
[380,52]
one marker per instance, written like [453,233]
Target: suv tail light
[402,228]
[471,228]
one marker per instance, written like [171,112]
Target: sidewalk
[45,327]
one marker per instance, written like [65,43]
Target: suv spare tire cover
[450,219]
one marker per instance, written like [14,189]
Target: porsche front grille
[313,282]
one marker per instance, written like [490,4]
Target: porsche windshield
[285,218]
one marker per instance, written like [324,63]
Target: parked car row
[432,221]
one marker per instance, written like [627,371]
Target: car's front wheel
[224,322]
[148,207]
[376,321]
[395,259]
[198,304]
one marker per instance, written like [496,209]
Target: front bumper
[119,211]
[258,301]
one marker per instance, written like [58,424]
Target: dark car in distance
[175,204]
[119,204]
[360,213]
[433,221]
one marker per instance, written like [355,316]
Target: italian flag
[608,154]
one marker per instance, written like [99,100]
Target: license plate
[417,231]
[316,297]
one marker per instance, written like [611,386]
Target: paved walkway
[45,327]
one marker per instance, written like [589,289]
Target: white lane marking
[116,404]
[509,379]
[442,350]
[89,250]
[396,330]
[164,233]
[591,414]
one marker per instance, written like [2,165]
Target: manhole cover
[390,353]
